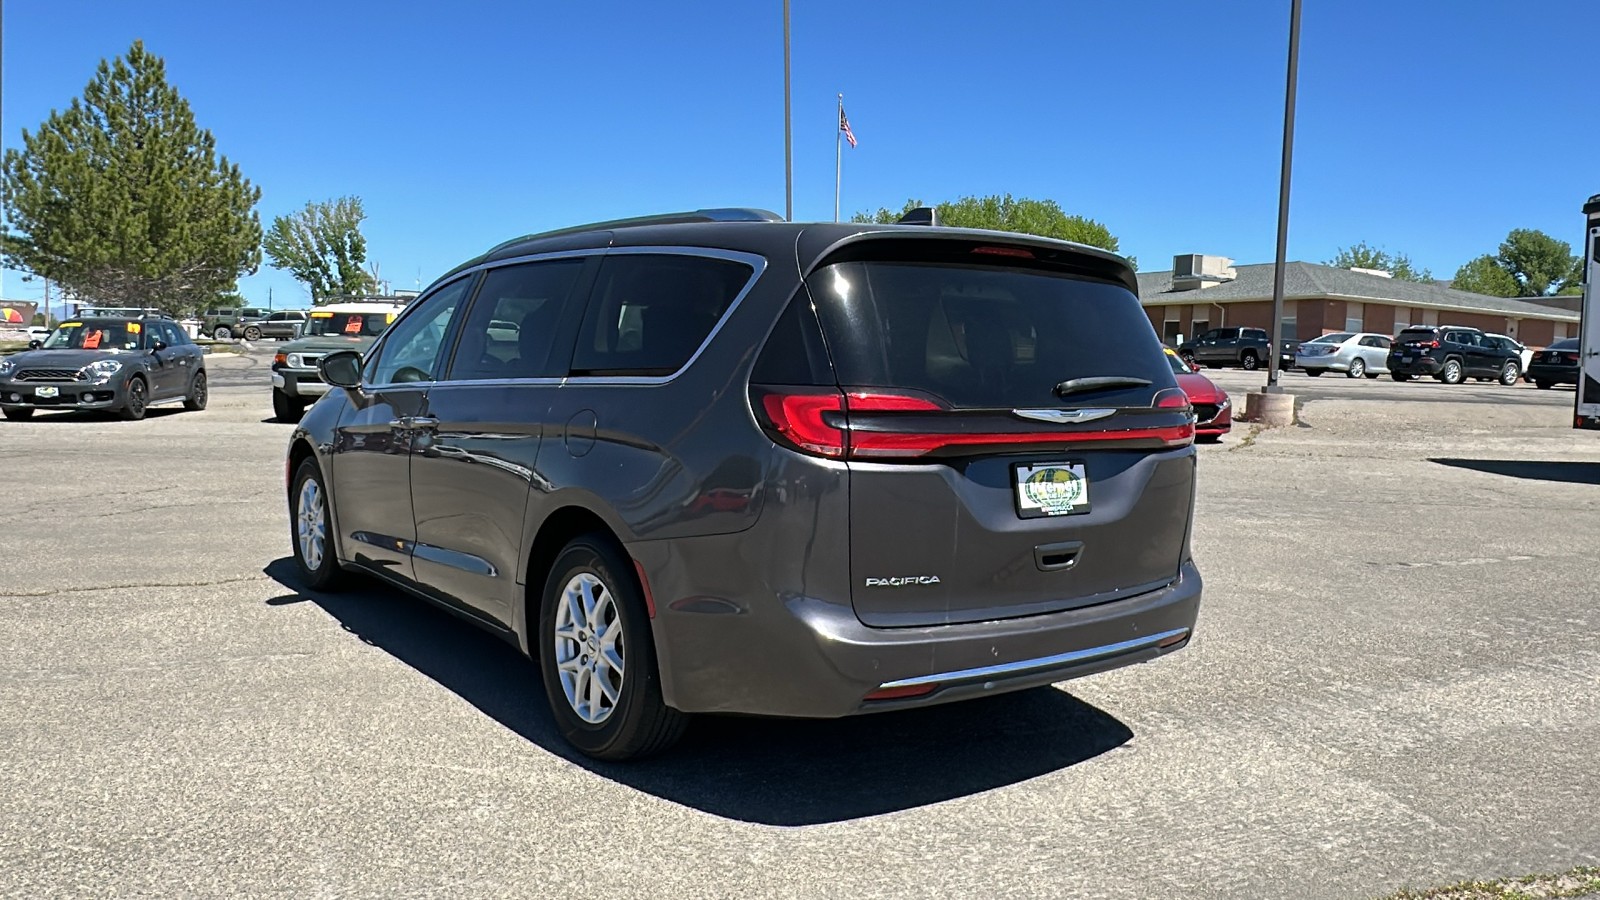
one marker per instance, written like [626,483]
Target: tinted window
[1416,334]
[648,314]
[794,353]
[1257,333]
[1227,333]
[984,336]
[353,324]
[511,328]
[413,350]
[94,335]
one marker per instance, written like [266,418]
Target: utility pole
[788,124]
[1283,198]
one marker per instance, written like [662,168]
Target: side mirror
[35,344]
[158,346]
[341,369]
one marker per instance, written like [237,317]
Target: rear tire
[222,333]
[1250,361]
[1373,375]
[593,595]
[1452,373]
[252,333]
[1358,368]
[1509,373]
[19,413]
[286,408]
[311,530]
[198,394]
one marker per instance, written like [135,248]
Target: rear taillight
[1433,345]
[1570,357]
[1017,252]
[819,423]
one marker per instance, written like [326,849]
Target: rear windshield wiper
[1098,383]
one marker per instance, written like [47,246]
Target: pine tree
[123,199]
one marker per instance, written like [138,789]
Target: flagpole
[838,156]
[788,125]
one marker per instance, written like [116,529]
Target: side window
[169,334]
[1209,335]
[795,353]
[511,328]
[412,351]
[648,314]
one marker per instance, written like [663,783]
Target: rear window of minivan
[982,336]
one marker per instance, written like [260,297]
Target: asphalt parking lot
[1394,682]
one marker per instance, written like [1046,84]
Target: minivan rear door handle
[414,423]
[1057,557]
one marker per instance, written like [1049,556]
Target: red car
[1212,408]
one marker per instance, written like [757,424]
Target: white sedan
[1355,353]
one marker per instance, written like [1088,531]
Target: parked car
[1355,353]
[1213,409]
[1555,364]
[123,365]
[38,332]
[225,323]
[1524,352]
[282,325]
[1452,354]
[337,326]
[970,468]
[1248,348]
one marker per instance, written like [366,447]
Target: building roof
[1310,281]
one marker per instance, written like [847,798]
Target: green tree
[322,246]
[1366,256]
[1485,275]
[1540,263]
[123,199]
[1006,213]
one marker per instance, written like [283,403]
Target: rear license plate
[46,393]
[1051,489]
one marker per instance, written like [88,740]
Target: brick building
[1210,292]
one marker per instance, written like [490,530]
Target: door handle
[414,423]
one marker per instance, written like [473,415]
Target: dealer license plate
[1051,489]
[45,393]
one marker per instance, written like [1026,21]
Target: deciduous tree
[1366,256]
[322,246]
[1006,213]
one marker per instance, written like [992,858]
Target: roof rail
[727,214]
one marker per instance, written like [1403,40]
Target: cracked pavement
[1396,681]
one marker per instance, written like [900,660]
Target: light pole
[1283,200]
[789,149]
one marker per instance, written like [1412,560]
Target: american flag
[844,126]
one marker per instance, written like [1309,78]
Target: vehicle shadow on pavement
[765,771]
[1538,470]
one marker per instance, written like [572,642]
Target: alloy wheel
[311,524]
[1358,368]
[589,651]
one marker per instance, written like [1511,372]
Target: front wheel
[1358,368]
[596,656]
[18,413]
[286,408]
[309,529]
[1509,373]
[198,394]
[1250,362]
[138,399]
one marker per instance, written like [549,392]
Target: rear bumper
[1552,374]
[1426,365]
[807,657]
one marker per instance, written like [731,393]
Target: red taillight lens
[1171,398]
[1432,344]
[799,418]
[1004,251]
[865,402]
[1570,357]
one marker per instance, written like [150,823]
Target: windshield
[351,324]
[1332,339]
[1179,367]
[93,335]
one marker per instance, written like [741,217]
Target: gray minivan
[717,462]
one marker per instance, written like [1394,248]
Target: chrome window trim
[756,262]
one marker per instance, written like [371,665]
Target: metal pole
[1283,200]
[788,124]
[838,157]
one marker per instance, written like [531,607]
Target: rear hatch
[1017,443]
[1415,342]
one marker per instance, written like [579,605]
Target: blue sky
[1427,128]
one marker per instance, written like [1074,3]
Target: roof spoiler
[921,215]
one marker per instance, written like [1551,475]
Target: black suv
[1452,354]
[720,462]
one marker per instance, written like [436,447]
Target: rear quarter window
[648,313]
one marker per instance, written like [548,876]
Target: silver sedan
[1354,353]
